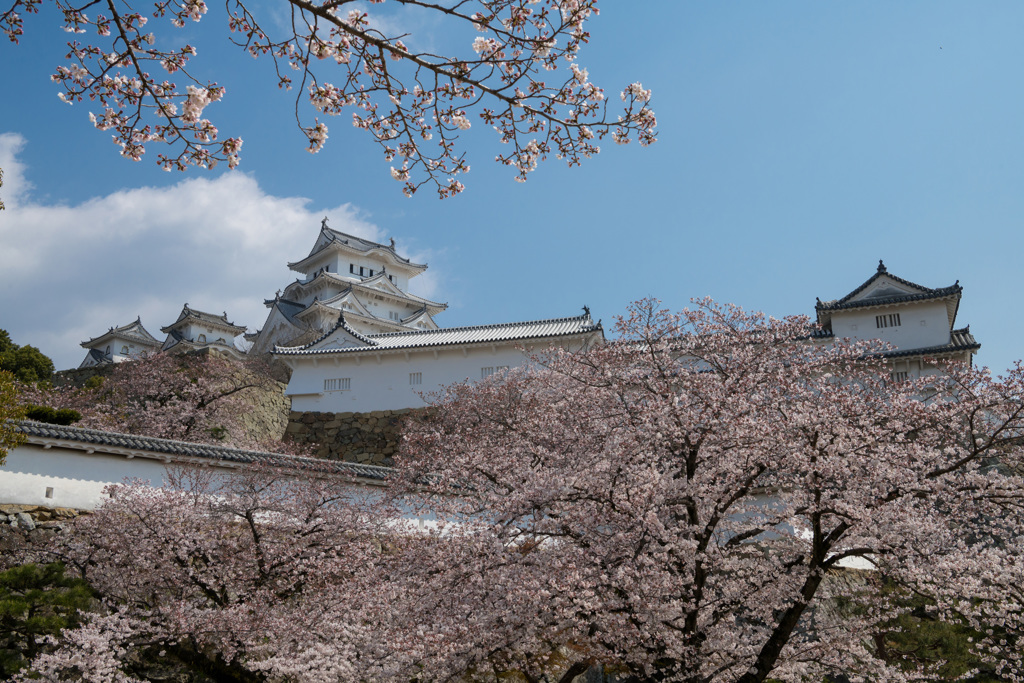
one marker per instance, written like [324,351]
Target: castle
[359,343]
[917,322]
[192,331]
[357,340]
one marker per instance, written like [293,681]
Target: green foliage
[36,601]
[9,410]
[919,639]
[62,416]
[94,382]
[27,363]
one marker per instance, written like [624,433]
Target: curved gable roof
[328,239]
[133,331]
[191,315]
[333,340]
[885,289]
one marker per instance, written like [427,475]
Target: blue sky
[799,142]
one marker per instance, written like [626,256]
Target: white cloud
[67,273]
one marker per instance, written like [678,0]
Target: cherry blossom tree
[517,73]
[690,503]
[260,576]
[715,496]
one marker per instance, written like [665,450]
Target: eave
[384,253]
[170,452]
[392,342]
[114,334]
[949,295]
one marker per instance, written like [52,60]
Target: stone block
[25,521]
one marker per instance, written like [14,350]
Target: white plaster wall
[339,263]
[76,477]
[922,325]
[134,351]
[193,330]
[367,264]
[385,385]
[382,307]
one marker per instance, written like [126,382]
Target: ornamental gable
[885,287]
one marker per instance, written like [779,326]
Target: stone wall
[266,415]
[370,438]
[77,377]
[31,517]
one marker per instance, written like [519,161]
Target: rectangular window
[360,270]
[338,384]
[486,372]
[890,320]
[352,268]
[371,272]
[902,376]
[395,315]
[415,378]
[49,492]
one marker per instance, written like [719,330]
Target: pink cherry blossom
[401,93]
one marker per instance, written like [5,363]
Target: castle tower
[342,273]
[917,322]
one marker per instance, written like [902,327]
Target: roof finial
[586,311]
[881,267]
[392,242]
[323,223]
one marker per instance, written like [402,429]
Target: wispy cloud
[68,272]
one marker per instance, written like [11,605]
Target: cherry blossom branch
[416,105]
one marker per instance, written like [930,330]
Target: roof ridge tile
[191,449]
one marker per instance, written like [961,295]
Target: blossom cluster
[414,103]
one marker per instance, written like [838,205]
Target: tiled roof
[341,324]
[133,331]
[357,243]
[843,303]
[349,283]
[447,336]
[412,317]
[97,357]
[959,340]
[116,443]
[290,309]
[922,293]
[191,314]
